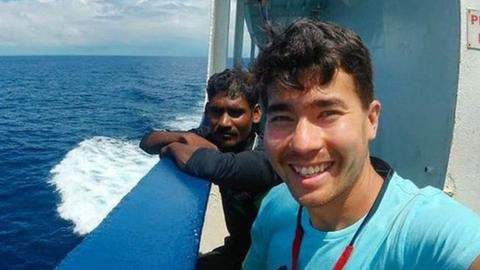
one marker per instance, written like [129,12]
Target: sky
[105,27]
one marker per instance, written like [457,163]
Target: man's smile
[226,135]
[312,170]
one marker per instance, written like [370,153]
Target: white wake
[186,121]
[94,176]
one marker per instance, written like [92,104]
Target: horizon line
[112,55]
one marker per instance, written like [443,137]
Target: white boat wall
[463,170]
[427,76]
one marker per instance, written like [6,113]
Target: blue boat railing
[156,226]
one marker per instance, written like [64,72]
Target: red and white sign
[473,28]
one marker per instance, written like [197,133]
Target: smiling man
[241,171]
[340,208]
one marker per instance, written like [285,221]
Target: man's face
[231,120]
[317,139]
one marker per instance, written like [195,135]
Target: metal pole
[238,40]
[218,40]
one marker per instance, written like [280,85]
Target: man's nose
[306,137]
[225,120]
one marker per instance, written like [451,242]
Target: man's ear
[257,114]
[373,118]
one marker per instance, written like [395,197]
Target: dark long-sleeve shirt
[243,178]
[246,171]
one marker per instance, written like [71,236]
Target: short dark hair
[315,49]
[235,83]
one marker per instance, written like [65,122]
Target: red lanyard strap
[298,240]
[347,252]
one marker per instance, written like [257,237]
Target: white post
[238,40]
[218,41]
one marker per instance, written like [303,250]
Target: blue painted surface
[156,226]
[415,47]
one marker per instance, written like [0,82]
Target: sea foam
[186,121]
[94,176]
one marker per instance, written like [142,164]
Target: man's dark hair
[235,83]
[312,50]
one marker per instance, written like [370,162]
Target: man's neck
[243,146]
[236,149]
[350,206]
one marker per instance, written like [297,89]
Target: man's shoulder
[428,215]
[278,202]
[426,200]
[435,206]
[202,131]
[278,193]
[440,225]
[418,222]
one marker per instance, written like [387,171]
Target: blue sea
[69,133]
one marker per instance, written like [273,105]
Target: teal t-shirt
[412,229]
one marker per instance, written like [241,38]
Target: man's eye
[279,118]
[214,112]
[325,114]
[236,113]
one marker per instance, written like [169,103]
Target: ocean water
[69,133]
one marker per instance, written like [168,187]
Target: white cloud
[114,24]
